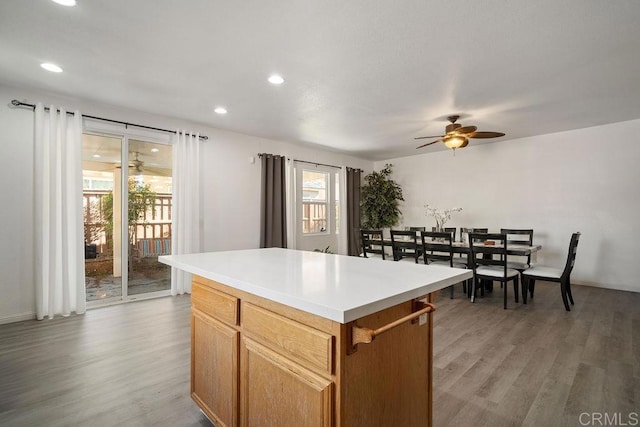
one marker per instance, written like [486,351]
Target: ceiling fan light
[454,142]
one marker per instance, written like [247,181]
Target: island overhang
[336,287]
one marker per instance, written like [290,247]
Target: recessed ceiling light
[275,79]
[66,2]
[51,67]
[220,110]
[96,156]
[155,150]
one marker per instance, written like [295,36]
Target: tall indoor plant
[380,200]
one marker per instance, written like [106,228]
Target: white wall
[230,186]
[232,204]
[586,180]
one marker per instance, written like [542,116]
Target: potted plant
[380,200]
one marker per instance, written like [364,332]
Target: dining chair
[518,236]
[451,230]
[489,262]
[437,249]
[550,274]
[417,231]
[372,243]
[464,231]
[404,244]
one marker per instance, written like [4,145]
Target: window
[315,186]
[317,207]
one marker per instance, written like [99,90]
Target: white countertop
[337,287]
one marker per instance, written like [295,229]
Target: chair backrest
[436,246]
[519,236]
[571,257]
[417,228]
[451,230]
[466,230]
[404,244]
[372,242]
[483,254]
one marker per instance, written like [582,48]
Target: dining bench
[153,247]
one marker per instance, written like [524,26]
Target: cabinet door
[214,368]
[279,392]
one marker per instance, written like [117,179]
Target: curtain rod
[314,163]
[17,103]
[317,164]
[303,161]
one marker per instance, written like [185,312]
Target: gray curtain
[353,211]
[273,213]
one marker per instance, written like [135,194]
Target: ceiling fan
[136,166]
[457,136]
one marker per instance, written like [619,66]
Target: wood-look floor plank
[548,404]
[128,365]
[124,365]
[559,363]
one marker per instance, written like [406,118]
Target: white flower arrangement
[441,215]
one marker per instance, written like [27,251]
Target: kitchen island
[285,337]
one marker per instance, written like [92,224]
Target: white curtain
[290,176]
[185,214]
[58,227]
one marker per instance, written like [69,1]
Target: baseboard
[17,318]
[625,288]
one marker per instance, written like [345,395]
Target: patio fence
[156,223]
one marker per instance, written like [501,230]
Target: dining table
[462,247]
[512,249]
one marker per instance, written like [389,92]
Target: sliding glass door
[127,217]
[149,217]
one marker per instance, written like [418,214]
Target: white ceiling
[362,76]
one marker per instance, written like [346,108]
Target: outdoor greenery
[93,226]
[380,199]
[141,199]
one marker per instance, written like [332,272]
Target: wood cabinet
[214,368]
[256,362]
[277,391]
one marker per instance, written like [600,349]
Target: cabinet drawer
[296,339]
[216,304]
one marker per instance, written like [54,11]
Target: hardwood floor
[123,365]
[537,365]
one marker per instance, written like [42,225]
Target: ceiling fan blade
[466,129]
[485,135]
[157,171]
[429,143]
[432,136]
